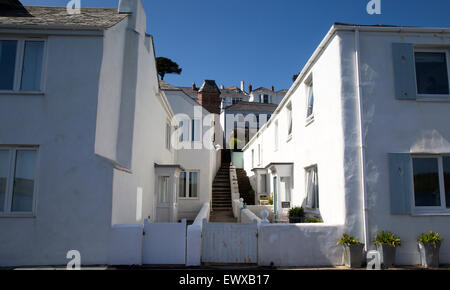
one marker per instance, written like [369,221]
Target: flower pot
[353,255]
[429,254]
[296,220]
[387,254]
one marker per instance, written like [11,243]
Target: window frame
[7,213]
[275,137]
[193,130]
[186,188]
[290,121]
[168,136]
[309,90]
[432,97]
[18,68]
[316,197]
[442,209]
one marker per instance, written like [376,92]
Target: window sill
[189,198]
[13,216]
[309,120]
[21,93]
[431,213]
[433,98]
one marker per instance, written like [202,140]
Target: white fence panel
[164,243]
[230,243]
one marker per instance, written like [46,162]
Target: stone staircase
[221,196]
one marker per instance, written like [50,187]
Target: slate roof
[252,107]
[263,90]
[165,86]
[58,16]
[189,91]
[234,93]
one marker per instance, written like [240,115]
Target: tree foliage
[167,66]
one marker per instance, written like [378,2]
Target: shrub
[313,220]
[348,240]
[431,237]
[296,212]
[270,199]
[388,238]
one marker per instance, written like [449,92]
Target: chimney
[242,85]
[272,88]
[194,87]
[209,96]
[222,87]
[250,89]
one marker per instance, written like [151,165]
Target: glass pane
[426,182]
[195,130]
[310,101]
[447,180]
[32,66]
[431,72]
[4,170]
[163,189]
[8,49]
[182,185]
[24,176]
[193,184]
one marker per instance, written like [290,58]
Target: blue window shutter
[404,73]
[400,183]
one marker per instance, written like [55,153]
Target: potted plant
[429,245]
[353,251]
[387,243]
[296,215]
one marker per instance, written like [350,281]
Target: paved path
[222,217]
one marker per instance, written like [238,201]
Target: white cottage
[80,107]
[362,137]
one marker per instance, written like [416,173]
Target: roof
[58,16]
[209,86]
[252,107]
[262,89]
[189,91]
[167,87]
[12,8]
[234,93]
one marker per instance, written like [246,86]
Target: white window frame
[186,188]
[193,130]
[168,136]
[309,90]
[253,158]
[307,169]
[10,182]
[19,66]
[290,121]
[259,155]
[432,97]
[431,209]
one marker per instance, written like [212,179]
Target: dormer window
[21,65]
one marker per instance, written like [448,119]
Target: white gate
[230,243]
[164,243]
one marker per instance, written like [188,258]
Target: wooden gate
[229,243]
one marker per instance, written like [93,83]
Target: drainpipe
[362,142]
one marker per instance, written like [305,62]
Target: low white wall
[234,184]
[248,217]
[125,246]
[256,209]
[237,204]
[299,245]
[194,237]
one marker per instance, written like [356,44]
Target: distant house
[84,142]
[361,139]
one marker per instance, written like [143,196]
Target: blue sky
[263,42]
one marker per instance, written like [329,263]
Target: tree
[166,66]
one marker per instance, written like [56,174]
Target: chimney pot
[194,87]
[272,89]
[250,88]
[242,85]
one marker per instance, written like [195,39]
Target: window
[264,183]
[21,64]
[431,73]
[163,189]
[183,131]
[266,99]
[188,184]
[289,118]
[17,180]
[310,100]
[431,182]
[236,100]
[195,131]
[312,188]
[275,137]
[253,158]
[259,154]
[168,139]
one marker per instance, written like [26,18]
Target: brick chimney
[209,96]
